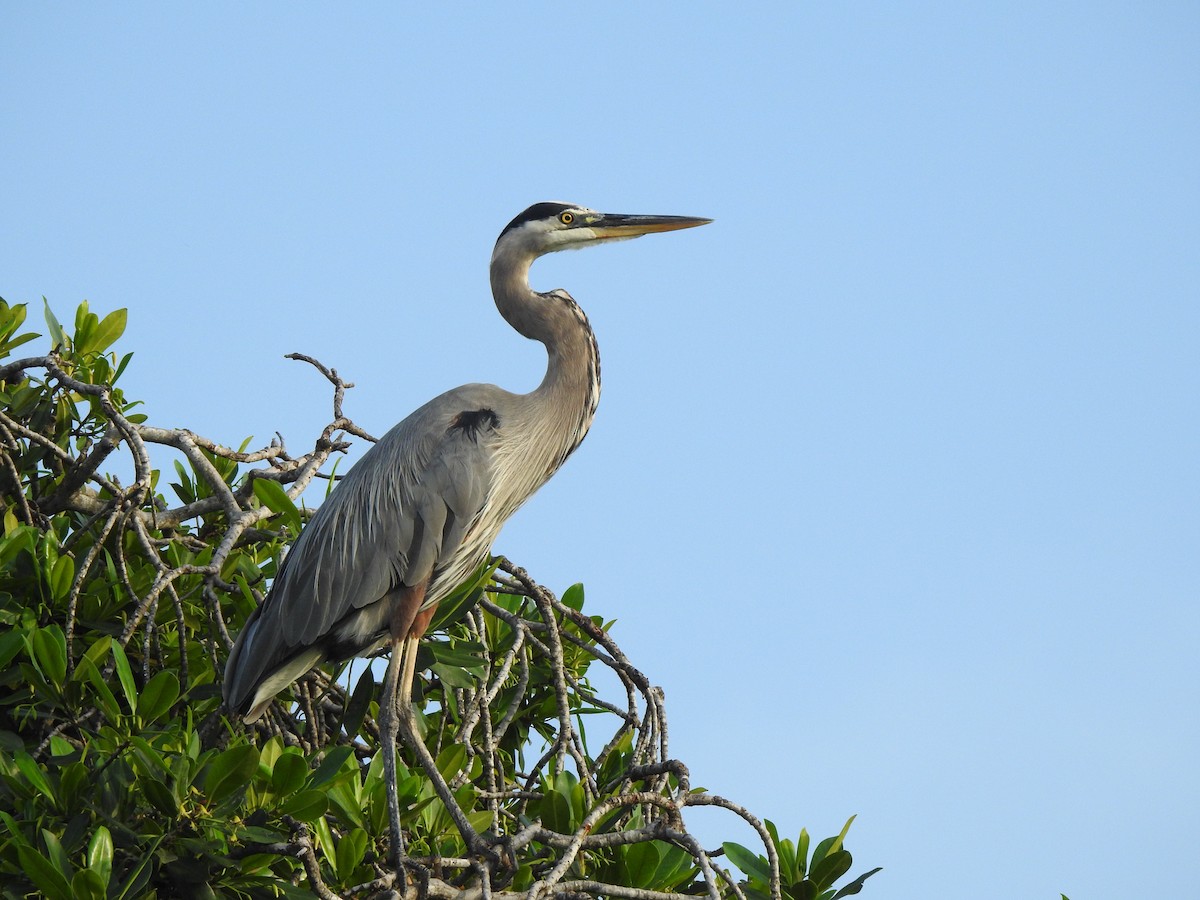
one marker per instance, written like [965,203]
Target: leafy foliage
[120,775]
[802,877]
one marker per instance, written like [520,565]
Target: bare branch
[633,792]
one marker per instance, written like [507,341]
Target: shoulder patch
[471,421]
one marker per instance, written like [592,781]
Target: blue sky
[894,484]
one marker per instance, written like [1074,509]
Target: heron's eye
[566,218]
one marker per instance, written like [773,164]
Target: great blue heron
[418,513]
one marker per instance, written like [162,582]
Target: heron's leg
[414,621]
[476,844]
[389,726]
[407,649]
[392,699]
[415,632]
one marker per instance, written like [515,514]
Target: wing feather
[400,513]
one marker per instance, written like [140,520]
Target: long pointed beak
[611,225]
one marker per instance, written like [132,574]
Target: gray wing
[401,513]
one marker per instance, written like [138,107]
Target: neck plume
[559,412]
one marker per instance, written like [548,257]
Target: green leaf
[85,323]
[556,812]
[451,760]
[146,758]
[753,865]
[17,538]
[230,771]
[830,869]
[568,785]
[11,318]
[56,332]
[110,328]
[642,861]
[11,643]
[573,597]
[331,765]
[104,696]
[677,866]
[157,696]
[481,820]
[73,782]
[272,495]
[55,852]
[857,884]
[159,796]
[19,340]
[49,880]
[95,653]
[463,654]
[34,775]
[100,855]
[789,872]
[13,830]
[61,577]
[562,802]
[840,839]
[346,801]
[121,367]
[359,703]
[50,651]
[186,768]
[9,524]
[306,805]
[350,852]
[454,676]
[125,676]
[324,835]
[87,885]
[268,754]
[818,854]
[139,875]
[259,835]
[290,772]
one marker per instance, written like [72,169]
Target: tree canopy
[122,776]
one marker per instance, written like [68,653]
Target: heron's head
[547,227]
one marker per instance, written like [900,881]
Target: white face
[566,230]
[569,229]
[547,227]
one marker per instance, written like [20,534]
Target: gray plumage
[419,512]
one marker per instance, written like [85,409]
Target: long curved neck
[560,410]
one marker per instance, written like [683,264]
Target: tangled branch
[146,604]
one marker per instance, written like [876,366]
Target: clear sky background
[895,483]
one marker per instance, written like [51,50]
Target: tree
[122,776]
